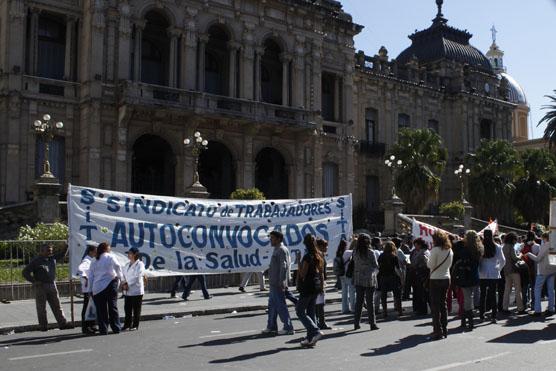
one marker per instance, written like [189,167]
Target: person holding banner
[87,327]
[439,262]
[202,282]
[134,289]
[278,271]
[105,275]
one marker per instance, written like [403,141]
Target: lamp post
[462,172]
[393,165]
[197,144]
[45,129]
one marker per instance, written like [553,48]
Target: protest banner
[424,231]
[191,236]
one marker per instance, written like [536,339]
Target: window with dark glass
[51,47]
[155,50]
[486,130]
[329,179]
[271,73]
[328,95]
[434,126]
[372,192]
[404,121]
[217,61]
[371,117]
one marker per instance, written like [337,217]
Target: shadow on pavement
[402,344]
[527,336]
[226,341]
[40,340]
[240,316]
[245,357]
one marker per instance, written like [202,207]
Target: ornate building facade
[275,86]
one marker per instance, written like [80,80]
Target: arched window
[271,176]
[271,73]
[217,61]
[155,50]
[51,47]
[329,179]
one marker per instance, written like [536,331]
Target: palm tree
[550,119]
[424,160]
[494,166]
[535,187]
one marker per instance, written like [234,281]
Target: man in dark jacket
[41,272]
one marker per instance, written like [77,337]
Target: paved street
[233,341]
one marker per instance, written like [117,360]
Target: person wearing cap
[41,272]
[133,286]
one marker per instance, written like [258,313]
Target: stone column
[203,40]
[259,52]
[172,70]
[468,211]
[189,60]
[348,101]
[33,42]
[233,48]
[47,196]
[298,78]
[139,27]
[285,59]
[316,84]
[68,59]
[392,208]
[124,47]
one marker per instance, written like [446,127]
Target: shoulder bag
[426,282]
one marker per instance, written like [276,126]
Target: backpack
[339,266]
[462,273]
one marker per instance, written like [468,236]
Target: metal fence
[15,255]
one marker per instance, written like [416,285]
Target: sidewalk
[21,316]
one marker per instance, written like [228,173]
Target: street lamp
[45,129]
[462,172]
[197,144]
[393,165]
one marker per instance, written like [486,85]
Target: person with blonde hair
[439,262]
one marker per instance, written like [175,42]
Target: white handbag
[91,311]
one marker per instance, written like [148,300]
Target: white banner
[424,231]
[189,236]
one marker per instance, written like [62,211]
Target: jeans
[290,296]
[202,282]
[468,297]
[247,277]
[277,307]
[438,291]
[488,297]
[539,282]
[132,308]
[106,303]
[348,295]
[513,279]
[364,294]
[305,310]
[48,292]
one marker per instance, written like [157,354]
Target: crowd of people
[478,270]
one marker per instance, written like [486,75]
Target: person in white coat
[134,289]
[87,327]
[545,273]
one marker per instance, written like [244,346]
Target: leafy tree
[494,167]
[454,209]
[247,194]
[424,160]
[535,186]
[550,119]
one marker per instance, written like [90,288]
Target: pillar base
[468,210]
[392,208]
[47,196]
[196,190]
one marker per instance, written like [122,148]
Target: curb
[160,316]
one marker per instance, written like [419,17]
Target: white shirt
[83,271]
[103,271]
[133,275]
[489,268]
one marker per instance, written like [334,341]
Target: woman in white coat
[134,289]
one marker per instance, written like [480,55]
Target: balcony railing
[213,105]
[372,149]
[55,88]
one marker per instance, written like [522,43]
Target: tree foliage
[247,194]
[453,209]
[424,160]
[43,232]
[550,119]
[494,166]
[535,186]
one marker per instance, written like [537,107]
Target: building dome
[441,41]
[515,91]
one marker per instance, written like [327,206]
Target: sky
[526,34]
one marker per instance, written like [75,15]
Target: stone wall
[14,216]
